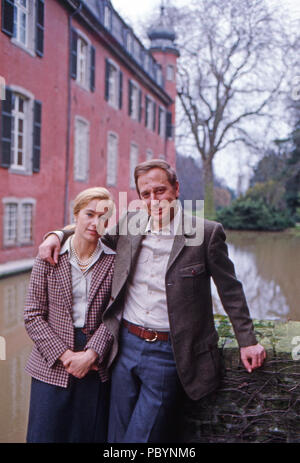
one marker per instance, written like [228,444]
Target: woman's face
[88,221]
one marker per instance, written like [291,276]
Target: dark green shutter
[93,67]
[73,57]
[107,71]
[129,97]
[169,125]
[159,113]
[37,128]
[39,30]
[6,127]
[146,110]
[154,116]
[120,89]
[8,17]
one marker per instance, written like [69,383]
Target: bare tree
[231,72]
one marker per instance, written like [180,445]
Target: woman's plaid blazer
[48,317]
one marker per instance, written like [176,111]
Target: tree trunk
[209,204]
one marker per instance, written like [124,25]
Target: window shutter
[169,125]
[37,127]
[107,66]
[8,17]
[146,110]
[73,57]
[140,105]
[93,67]
[120,89]
[159,115]
[154,116]
[129,97]
[39,30]
[6,126]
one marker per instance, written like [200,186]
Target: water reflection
[15,383]
[268,266]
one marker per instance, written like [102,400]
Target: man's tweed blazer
[192,264]
[48,317]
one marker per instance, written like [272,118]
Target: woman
[63,317]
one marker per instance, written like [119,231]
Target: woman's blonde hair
[88,195]
[85,196]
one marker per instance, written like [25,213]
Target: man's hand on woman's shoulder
[49,249]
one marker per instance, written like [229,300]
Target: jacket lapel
[64,279]
[98,274]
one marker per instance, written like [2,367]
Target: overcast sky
[136,11]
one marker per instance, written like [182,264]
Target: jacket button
[92,331]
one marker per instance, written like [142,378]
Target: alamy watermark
[2,88]
[2,348]
[158,214]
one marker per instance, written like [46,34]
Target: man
[160,311]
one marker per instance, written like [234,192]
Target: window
[26,223]
[149,155]
[162,122]
[159,77]
[134,159]
[150,113]
[18,131]
[107,17]
[113,84]
[21,122]
[135,101]
[18,221]
[81,153]
[10,223]
[83,60]
[112,159]
[23,21]
[170,72]
[129,42]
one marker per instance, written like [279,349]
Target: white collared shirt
[145,299]
[81,281]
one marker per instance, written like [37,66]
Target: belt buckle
[155,336]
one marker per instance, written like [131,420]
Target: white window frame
[83,74]
[20,12]
[26,168]
[17,134]
[170,73]
[20,236]
[30,12]
[113,84]
[112,159]
[162,114]
[107,17]
[81,153]
[149,154]
[133,161]
[150,113]
[135,108]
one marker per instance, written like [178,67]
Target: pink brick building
[85,101]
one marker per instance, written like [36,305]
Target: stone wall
[262,406]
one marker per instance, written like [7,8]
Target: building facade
[82,101]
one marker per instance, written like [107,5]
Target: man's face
[158,194]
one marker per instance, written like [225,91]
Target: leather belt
[145,333]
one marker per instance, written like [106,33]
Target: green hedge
[250,214]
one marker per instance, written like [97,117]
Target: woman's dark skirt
[78,413]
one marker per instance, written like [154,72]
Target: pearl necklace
[83,264]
